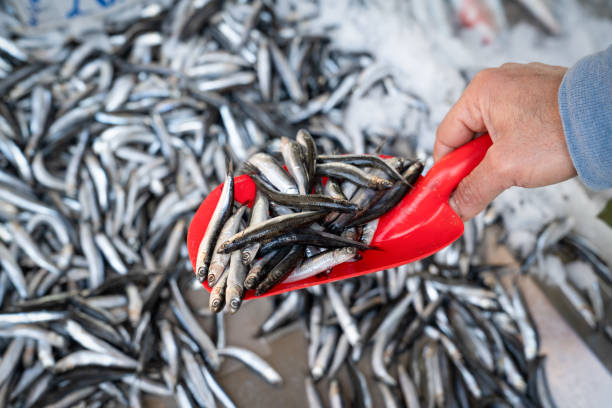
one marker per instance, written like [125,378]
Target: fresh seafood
[112,134]
[286,235]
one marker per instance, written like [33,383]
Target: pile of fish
[570,263]
[111,138]
[438,338]
[327,230]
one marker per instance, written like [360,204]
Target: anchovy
[340,355]
[280,270]
[235,282]
[13,271]
[34,332]
[273,172]
[321,263]
[293,157]
[261,267]
[25,242]
[287,75]
[194,372]
[314,400]
[254,362]
[220,215]
[89,341]
[86,358]
[186,318]
[305,202]
[220,260]
[259,214]
[11,358]
[216,301]
[311,237]
[30,317]
[290,306]
[216,388]
[271,228]
[325,353]
[264,70]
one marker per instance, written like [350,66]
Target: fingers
[482,185]
[462,121]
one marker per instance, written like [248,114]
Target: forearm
[585,105]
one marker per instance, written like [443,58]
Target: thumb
[481,186]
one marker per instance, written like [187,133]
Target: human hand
[517,105]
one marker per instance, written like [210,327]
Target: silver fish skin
[321,263]
[13,271]
[9,47]
[235,282]
[89,341]
[31,331]
[325,353]
[312,396]
[11,357]
[110,253]
[87,358]
[119,93]
[93,256]
[25,242]
[146,385]
[182,399]
[314,331]
[216,300]
[286,310]
[259,214]
[288,77]
[387,395]
[220,215]
[340,355]
[188,321]
[264,69]
[236,143]
[235,80]
[292,154]
[341,92]
[220,260]
[408,389]
[29,376]
[41,105]
[216,388]
[271,170]
[195,373]
[25,201]
[346,320]
[335,398]
[254,362]
[7,319]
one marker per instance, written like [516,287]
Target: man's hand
[517,105]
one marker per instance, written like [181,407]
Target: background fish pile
[111,138]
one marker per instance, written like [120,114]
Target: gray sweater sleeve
[585,104]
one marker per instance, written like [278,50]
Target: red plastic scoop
[420,225]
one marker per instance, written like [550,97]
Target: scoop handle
[446,174]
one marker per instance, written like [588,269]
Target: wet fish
[269,229]
[220,215]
